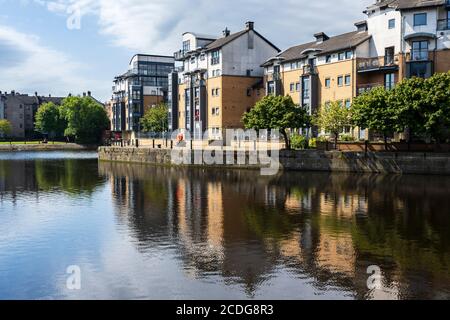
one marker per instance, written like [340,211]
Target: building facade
[20,110]
[219,80]
[144,85]
[398,40]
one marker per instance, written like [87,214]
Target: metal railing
[360,89]
[374,63]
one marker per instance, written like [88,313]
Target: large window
[215,57]
[186,46]
[420,19]
[419,50]
[389,81]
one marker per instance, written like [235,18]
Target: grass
[27,142]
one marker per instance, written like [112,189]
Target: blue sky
[38,52]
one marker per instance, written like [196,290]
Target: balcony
[418,55]
[360,89]
[180,55]
[309,69]
[443,24]
[273,77]
[377,64]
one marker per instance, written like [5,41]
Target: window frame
[348,77]
[328,80]
[391,24]
[341,82]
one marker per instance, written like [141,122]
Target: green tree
[49,120]
[86,119]
[373,110]
[156,119]
[333,117]
[437,102]
[277,112]
[408,99]
[5,127]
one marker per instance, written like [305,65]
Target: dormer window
[186,46]
[391,24]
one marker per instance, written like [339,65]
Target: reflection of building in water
[327,228]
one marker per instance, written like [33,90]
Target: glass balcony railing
[419,55]
[443,24]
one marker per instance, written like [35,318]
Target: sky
[73,46]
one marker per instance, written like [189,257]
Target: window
[213,92]
[202,57]
[186,46]
[192,60]
[420,19]
[389,81]
[328,58]
[348,103]
[297,87]
[348,54]
[327,83]
[215,57]
[292,87]
[271,88]
[419,50]
[215,111]
[293,65]
[348,80]
[218,73]
[249,72]
[341,56]
[340,81]
[391,24]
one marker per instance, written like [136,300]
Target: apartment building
[144,85]
[219,80]
[20,110]
[399,39]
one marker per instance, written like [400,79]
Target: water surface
[141,232]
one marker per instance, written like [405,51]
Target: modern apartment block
[399,39]
[144,85]
[219,80]
[20,110]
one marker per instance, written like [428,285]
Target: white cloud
[156,26]
[33,65]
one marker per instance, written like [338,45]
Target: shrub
[313,143]
[347,138]
[299,142]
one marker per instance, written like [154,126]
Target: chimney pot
[226,32]
[89,93]
[84,94]
[249,25]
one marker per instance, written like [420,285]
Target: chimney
[89,93]
[361,26]
[13,93]
[321,37]
[249,25]
[226,32]
[35,93]
[84,94]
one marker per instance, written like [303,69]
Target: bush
[299,142]
[347,138]
[322,139]
[313,143]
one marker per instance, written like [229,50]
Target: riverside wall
[308,160]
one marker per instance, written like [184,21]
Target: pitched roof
[337,43]
[219,43]
[407,4]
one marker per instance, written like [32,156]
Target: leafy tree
[372,110]
[49,120]
[86,119]
[408,99]
[333,117]
[276,112]
[156,119]
[5,127]
[437,102]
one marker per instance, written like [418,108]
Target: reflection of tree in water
[328,227]
[73,176]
